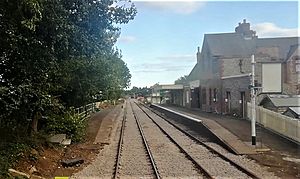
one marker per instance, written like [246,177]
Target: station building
[219,82]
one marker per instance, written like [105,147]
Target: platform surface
[104,133]
[229,139]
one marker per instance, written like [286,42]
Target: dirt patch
[48,158]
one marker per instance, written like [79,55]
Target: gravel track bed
[242,160]
[216,166]
[104,164]
[171,163]
[135,161]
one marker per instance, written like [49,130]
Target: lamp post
[253,131]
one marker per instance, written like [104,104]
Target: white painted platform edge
[180,114]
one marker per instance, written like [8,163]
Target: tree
[182,80]
[139,91]
[58,52]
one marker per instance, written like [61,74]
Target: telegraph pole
[253,133]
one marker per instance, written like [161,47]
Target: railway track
[132,141]
[188,140]
[165,158]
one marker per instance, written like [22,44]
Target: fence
[85,111]
[284,125]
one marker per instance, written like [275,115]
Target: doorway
[243,102]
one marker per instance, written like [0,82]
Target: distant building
[219,82]
[167,94]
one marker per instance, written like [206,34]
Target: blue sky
[160,44]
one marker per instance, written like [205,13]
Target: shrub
[68,123]
[9,154]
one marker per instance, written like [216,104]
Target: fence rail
[85,111]
[281,124]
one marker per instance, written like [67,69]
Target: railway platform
[228,138]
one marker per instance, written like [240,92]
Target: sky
[160,44]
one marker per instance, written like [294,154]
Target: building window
[227,96]
[215,95]
[298,68]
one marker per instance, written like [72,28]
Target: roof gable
[229,45]
[194,74]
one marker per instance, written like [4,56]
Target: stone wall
[235,66]
[292,79]
[234,87]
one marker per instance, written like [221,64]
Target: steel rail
[204,171]
[116,172]
[153,164]
[239,167]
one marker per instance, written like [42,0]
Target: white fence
[85,111]
[284,125]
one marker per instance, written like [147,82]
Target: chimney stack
[244,30]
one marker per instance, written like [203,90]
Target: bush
[68,123]
[9,154]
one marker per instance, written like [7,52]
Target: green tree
[139,91]
[182,80]
[57,51]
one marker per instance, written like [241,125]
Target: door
[228,102]
[195,98]
[242,101]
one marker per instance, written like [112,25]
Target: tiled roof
[229,45]
[285,100]
[292,51]
[283,43]
[296,110]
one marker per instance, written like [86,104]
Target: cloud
[127,39]
[268,29]
[165,64]
[175,7]
[179,58]
[160,67]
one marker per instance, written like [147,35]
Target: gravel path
[217,166]
[171,163]
[135,162]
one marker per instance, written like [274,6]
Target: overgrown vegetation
[68,123]
[56,55]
